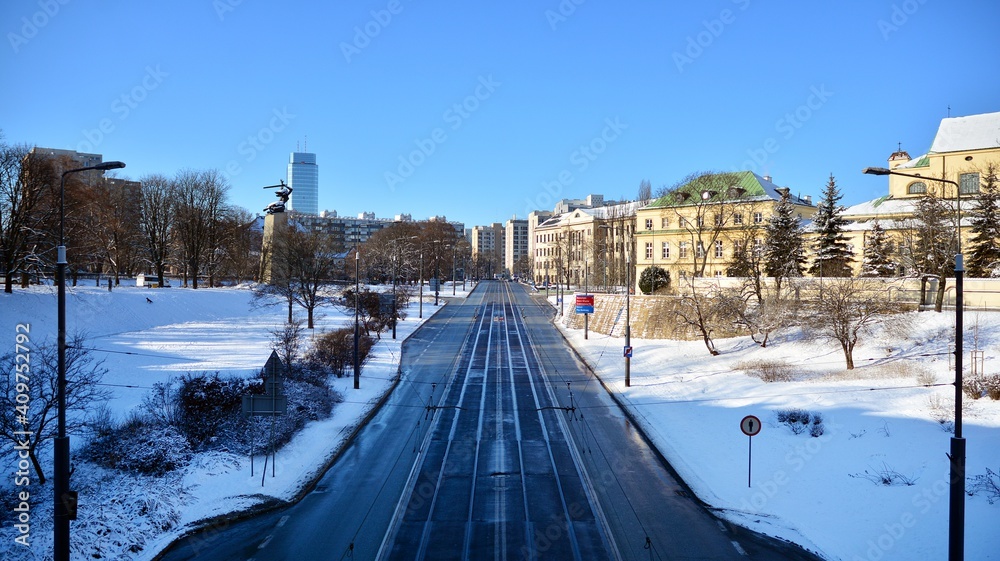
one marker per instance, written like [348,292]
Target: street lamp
[357,329]
[956,505]
[64,499]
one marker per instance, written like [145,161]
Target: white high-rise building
[303,178]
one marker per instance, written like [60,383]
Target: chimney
[808,199]
[768,179]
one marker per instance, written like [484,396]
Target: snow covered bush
[974,388]
[207,402]
[988,485]
[767,370]
[800,421]
[334,351]
[992,384]
[138,444]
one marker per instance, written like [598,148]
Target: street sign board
[584,303]
[750,425]
[628,351]
[265,405]
[434,284]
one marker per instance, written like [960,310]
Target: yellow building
[583,247]
[694,230]
[960,152]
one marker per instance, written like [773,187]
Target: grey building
[303,178]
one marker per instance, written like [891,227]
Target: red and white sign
[750,425]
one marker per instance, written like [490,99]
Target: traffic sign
[628,351]
[584,303]
[750,425]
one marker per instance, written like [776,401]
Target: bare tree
[699,307]
[117,227]
[39,416]
[705,206]
[304,268]
[849,308]
[241,244]
[200,199]
[645,192]
[24,180]
[157,214]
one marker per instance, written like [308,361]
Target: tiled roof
[755,186]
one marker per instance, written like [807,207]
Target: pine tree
[833,253]
[877,260]
[984,257]
[935,243]
[784,251]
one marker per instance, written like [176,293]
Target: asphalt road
[497,444]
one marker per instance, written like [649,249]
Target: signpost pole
[749,458]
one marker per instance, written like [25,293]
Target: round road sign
[750,425]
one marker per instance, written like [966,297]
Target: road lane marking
[738,548]
[721,525]
[282,520]
[266,541]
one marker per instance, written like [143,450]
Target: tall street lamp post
[64,499]
[628,321]
[394,262]
[357,323]
[956,505]
[421,315]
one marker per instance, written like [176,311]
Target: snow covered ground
[145,341]
[815,491]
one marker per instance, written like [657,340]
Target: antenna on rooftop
[305,145]
[949,110]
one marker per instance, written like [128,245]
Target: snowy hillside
[878,423]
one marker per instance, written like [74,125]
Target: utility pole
[357,332]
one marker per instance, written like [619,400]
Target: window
[664,222]
[718,273]
[701,249]
[649,223]
[649,250]
[717,219]
[665,251]
[968,183]
[701,221]
[683,253]
[718,249]
[758,246]
[758,217]
[738,218]
[916,188]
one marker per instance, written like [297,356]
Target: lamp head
[875,171]
[109,165]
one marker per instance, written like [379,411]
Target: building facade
[488,246]
[515,253]
[696,230]
[961,151]
[303,178]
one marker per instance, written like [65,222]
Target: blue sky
[483,110]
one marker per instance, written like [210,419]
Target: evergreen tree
[934,246]
[784,250]
[877,260]
[653,279]
[984,257]
[833,253]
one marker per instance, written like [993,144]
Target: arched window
[916,188]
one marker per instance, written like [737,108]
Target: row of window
[717,220]
[683,249]
[968,184]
